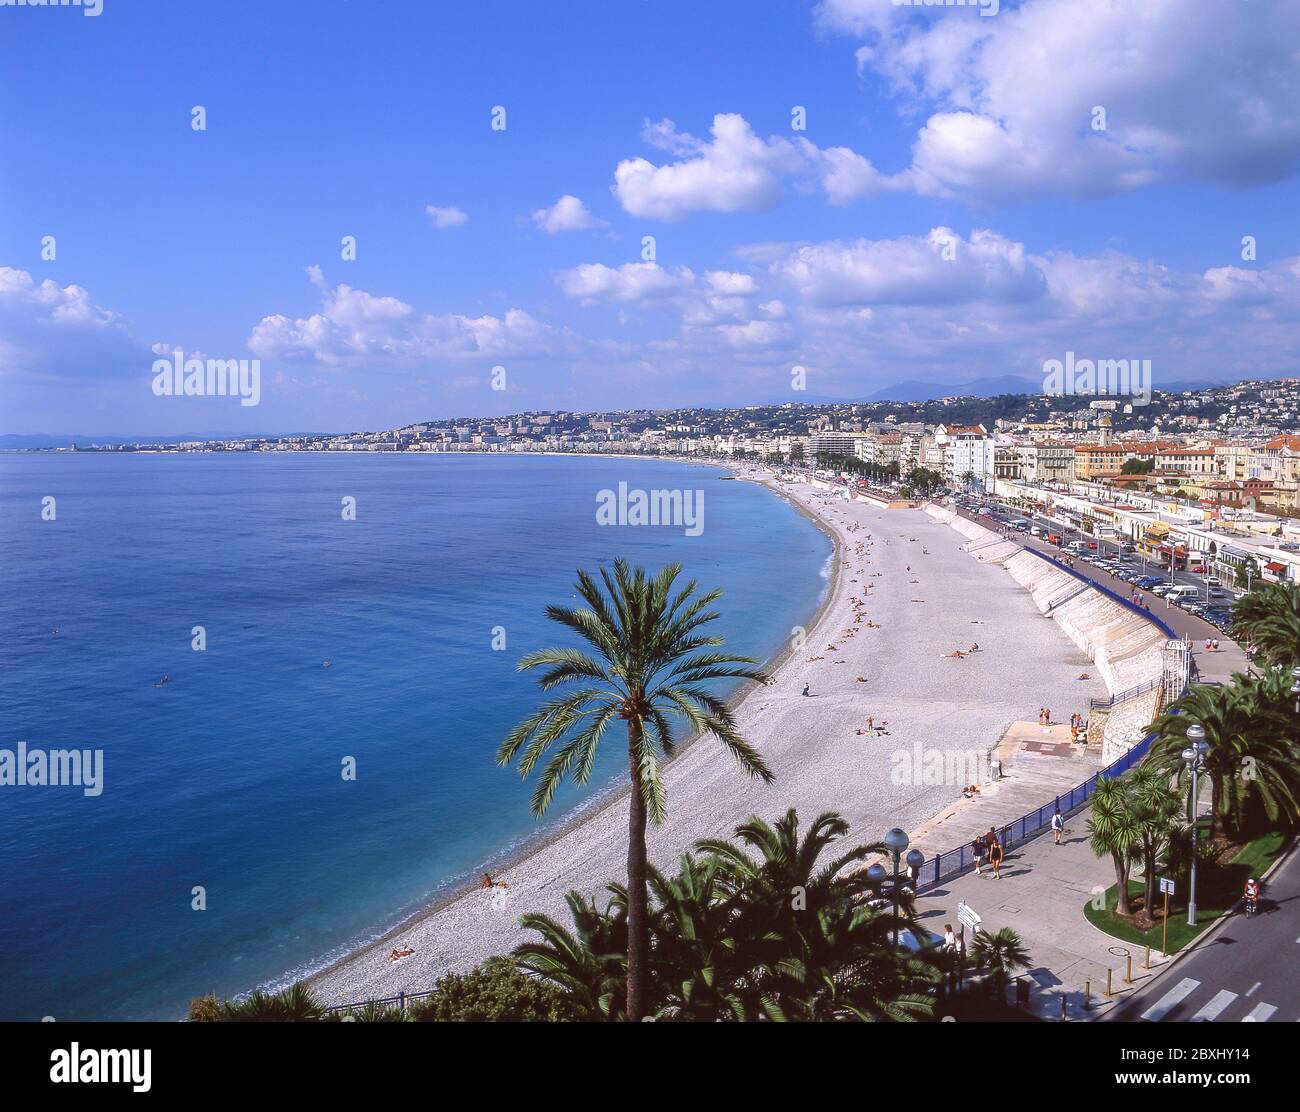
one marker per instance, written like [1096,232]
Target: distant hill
[977,388]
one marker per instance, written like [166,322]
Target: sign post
[1167,887]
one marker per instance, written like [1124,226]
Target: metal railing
[400,1002]
[950,863]
[1126,694]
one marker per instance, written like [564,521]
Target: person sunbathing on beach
[486,882]
[975,647]
[958,654]
[862,679]
[394,954]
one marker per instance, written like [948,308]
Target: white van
[1185,590]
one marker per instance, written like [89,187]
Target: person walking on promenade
[1058,826]
[977,850]
[1047,716]
[995,859]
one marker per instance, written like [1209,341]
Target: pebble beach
[883,687]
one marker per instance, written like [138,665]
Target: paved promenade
[1041,897]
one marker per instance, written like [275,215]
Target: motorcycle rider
[1252,896]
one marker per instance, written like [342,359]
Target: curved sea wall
[1126,648]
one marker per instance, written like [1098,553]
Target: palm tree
[819,950]
[1113,828]
[1157,807]
[739,937]
[696,952]
[1003,952]
[1252,762]
[646,672]
[587,964]
[294,1005]
[1269,618]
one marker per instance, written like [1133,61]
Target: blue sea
[228,777]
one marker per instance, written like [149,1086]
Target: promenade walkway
[1038,764]
[1041,896]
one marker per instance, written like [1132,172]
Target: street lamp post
[1295,687]
[896,842]
[1194,759]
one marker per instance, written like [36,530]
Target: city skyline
[873,192]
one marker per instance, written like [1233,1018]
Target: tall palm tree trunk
[1217,824]
[1121,884]
[638,936]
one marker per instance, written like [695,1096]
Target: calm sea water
[228,777]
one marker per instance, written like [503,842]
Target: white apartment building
[834,443]
[967,450]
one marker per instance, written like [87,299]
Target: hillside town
[1220,444]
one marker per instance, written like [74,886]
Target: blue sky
[950,212]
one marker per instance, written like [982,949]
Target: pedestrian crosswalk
[1211,1006]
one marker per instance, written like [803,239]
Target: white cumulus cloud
[445,217]
[568,214]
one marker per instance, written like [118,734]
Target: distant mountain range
[1003,384]
[977,388]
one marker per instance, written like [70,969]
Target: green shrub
[496,991]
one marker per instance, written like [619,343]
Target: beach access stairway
[1126,649]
